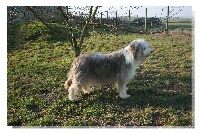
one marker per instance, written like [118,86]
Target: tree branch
[94,13]
[90,19]
[38,17]
[66,17]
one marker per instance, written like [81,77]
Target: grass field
[183,26]
[38,63]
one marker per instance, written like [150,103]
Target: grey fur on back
[100,69]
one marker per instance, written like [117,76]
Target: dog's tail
[69,80]
[68,83]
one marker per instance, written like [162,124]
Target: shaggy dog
[100,69]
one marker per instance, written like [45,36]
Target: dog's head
[140,49]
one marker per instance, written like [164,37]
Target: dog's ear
[134,48]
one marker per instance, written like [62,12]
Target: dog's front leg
[87,90]
[122,91]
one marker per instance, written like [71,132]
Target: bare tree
[77,47]
[73,39]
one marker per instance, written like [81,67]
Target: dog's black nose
[151,51]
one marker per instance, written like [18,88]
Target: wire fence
[137,19]
[126,18]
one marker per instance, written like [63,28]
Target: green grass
[161,93]
[184,26]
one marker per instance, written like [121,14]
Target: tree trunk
[76,48]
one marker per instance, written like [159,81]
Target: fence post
[145,21]
[167,19]
[101,18]
[129,15]
[116,20]
[107,16]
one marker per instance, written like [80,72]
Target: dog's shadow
[148,93]
[143,94]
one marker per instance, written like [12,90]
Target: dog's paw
[124,96]
[73,98]
[88,91]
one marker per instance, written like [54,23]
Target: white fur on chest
[129,59]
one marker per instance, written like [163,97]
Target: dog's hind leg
[74,90]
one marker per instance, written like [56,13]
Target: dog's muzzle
[149,53]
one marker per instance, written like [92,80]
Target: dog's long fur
[100,69]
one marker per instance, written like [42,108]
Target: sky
[152,11]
